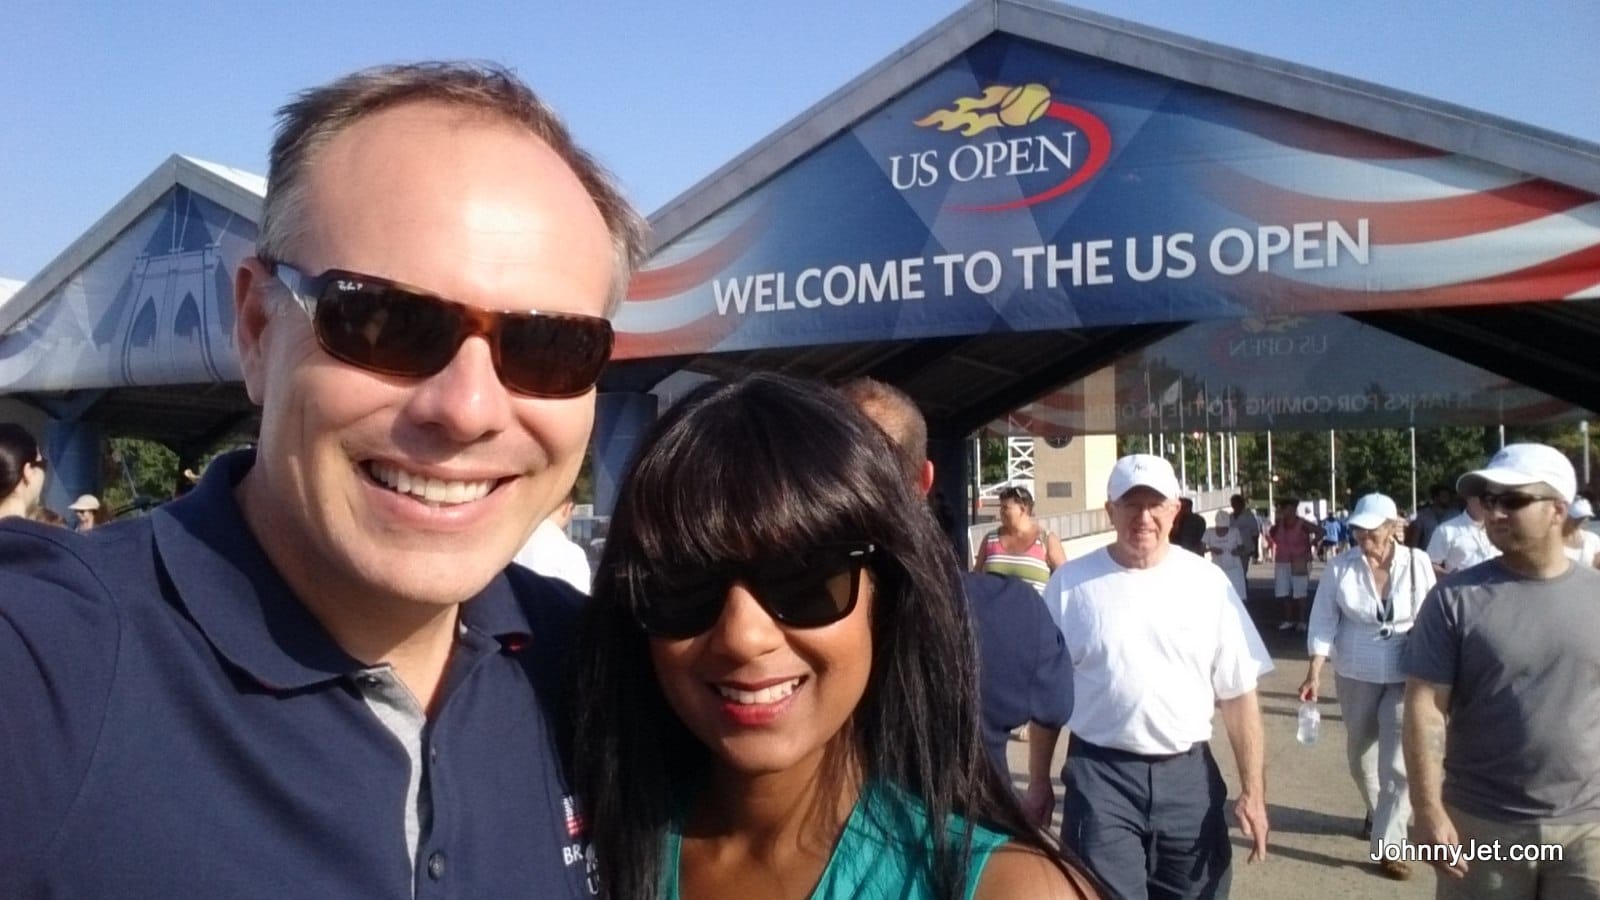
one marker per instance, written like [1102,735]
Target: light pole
[1333,468]
[1272,476]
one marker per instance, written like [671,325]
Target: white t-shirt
[549,552]
[1460,543]
[1585,555]
[1152,649]
[1223,547]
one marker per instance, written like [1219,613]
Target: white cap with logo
[1519,465]
[1372,511]
[1580,509]
[1142,470]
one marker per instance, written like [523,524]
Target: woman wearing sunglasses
[22,470]
[1365,605]
[777,689]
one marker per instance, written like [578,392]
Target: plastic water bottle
[1310,720]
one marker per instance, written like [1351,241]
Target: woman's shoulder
[1017,870]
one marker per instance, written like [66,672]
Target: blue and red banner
[1022,187]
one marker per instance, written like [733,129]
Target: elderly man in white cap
[1502,710]
[1159,639]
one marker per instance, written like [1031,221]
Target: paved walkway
[1312,804]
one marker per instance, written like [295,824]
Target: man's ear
[251,313]
[926,481]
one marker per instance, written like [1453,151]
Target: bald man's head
[899,417]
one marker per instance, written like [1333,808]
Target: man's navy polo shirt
[1024,670]
[175,724]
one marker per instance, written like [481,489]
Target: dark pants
[1148,826]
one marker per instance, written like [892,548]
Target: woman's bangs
[743,476]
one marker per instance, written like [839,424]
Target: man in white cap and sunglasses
[315,674]
[1502,709]
[1159,639]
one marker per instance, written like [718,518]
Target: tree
[137,474]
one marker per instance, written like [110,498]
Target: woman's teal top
[884,853]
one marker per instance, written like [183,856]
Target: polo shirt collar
[246,610]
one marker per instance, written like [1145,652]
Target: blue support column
[73,448]
[952,470]
[620,422]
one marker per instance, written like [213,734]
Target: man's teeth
[753,698]
[430,490]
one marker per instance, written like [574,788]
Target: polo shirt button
[433,754]
[436,865]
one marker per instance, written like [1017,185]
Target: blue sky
[96,94]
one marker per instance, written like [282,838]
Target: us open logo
[1047,146]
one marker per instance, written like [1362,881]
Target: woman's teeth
[755,698]
[429,490]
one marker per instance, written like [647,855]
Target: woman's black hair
[17,449]
[766,466]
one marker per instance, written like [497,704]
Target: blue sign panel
[1022,187]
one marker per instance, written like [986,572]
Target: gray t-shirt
[1522,659]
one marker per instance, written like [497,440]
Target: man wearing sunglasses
[315,675]
[1159,640]
[1502,707]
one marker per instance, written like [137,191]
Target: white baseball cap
[85,503]
[1580,509]
[1224,518]
[1372,511]
[1142,470]
[1519,465]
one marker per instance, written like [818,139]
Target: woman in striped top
[1021,547]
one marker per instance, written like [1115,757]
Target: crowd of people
[319,673]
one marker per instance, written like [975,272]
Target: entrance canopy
[1022,197]
[1027,193]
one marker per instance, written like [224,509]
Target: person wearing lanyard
[1361,615]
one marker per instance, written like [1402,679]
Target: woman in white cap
[86,509]
[1365,605]
[1582,545]
[1222,542]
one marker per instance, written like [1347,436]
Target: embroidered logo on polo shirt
[569,809]
[579,850]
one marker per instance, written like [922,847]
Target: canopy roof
[1022,196]
[909,225]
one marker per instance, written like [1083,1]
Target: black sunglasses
[391,328]
[1015,493]
[1509,502]
[809,590]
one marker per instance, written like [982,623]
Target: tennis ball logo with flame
[1013,106]
[998,105]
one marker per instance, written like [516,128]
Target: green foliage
[992,450]
[137,473]
[1367,460]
